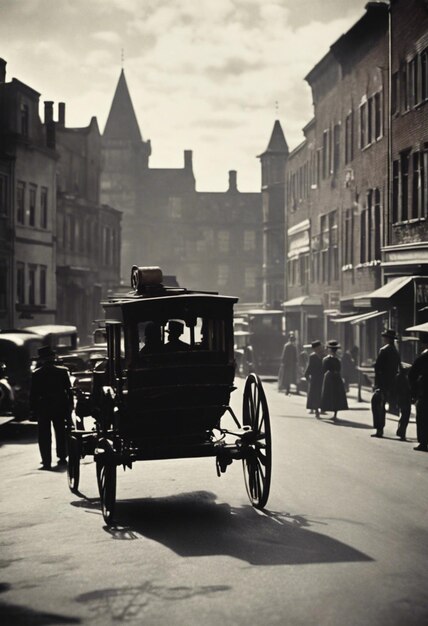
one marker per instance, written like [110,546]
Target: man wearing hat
[175,330]
[51,402]
[314,376]
[386,368]
[289,364]
[418,378]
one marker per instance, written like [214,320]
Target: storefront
[304,316]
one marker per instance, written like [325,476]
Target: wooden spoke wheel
[73,462]
[106,478]
[257,462]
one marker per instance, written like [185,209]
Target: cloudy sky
[204,75]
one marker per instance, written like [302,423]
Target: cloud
[107,36]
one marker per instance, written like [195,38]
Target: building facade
[28,164]
[356,188]
[88,233]
[208,240]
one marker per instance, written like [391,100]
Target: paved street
[344,539]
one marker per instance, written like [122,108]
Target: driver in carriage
[174,344]
[152,339]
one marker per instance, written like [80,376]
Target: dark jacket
[418,377]
[289,362]
[333,395]
[386,368]
[314,375]
[50,391]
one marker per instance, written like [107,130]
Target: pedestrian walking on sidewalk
[314,376]
[51,402]
[333,395]
[418,379]
[386,368]
[404,401]
[289,364]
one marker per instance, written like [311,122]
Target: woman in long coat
[314,376]
[333,395]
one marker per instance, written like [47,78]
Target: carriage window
[181,335]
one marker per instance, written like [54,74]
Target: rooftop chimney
[3,64]
[61,113]
[188,160]
[48,111]
[232,181]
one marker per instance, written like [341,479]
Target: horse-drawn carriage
[165,399]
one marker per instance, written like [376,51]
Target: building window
[32,284]
[349,137]
[363,125]
[404,88]
[419,184]
[348,256]
[336,147]
[377,98]
[363,236]
[3,286]
[32,205]
[249,240]
[3,194]
[25,118]
[42,283]
[325,154]
[223,241]
[44,207]
[412,76]
[72,231]
[20,202]
[250,278]
[175,207]
[424,75]
[223,275]
[395,92]
[20,283]
[377,232]
[404,186]
[395,190]
[324,248]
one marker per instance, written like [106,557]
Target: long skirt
[333,395]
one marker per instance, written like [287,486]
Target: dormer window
[25,116]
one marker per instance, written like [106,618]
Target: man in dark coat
[51,402]
[314,376]
[289,364]
[386,368]
[418,379]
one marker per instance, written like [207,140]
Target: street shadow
[128,604]
[194,524]
[16,615]
[347,423]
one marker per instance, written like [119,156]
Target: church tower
[125,158]
[273,164]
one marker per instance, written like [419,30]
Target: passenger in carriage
[152,339]
[174,344]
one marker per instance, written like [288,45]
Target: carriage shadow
[195,524]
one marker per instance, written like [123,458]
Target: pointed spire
[122,122]
[277,143]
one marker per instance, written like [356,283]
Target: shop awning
[302,301]
[420,328]
[358,318]
[368,316]
[390,288]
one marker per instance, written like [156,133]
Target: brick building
[28,169]
[208,240]
[88,233]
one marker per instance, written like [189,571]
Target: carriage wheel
[106,477]
[73,463]
[257,462]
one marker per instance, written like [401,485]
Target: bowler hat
[333,344]
[315,343]
[390,334]
[46,352]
